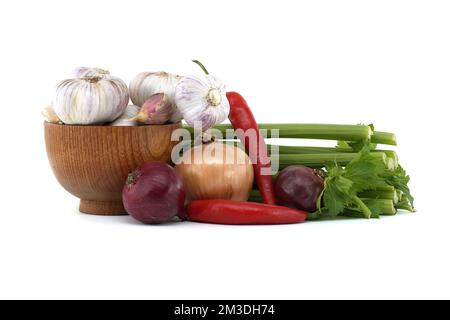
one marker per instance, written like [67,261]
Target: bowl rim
[46,123]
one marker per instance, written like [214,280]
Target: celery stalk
[391,161]
[380,137]
[313,131]
[385,206]
[321,131]
[319,160]
[380,194]
[386,188]
[286,157]
[305,150]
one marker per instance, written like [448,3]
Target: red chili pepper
[241,117]
[240,212]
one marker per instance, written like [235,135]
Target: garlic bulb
[90,100]
[146,84]
[50,115]
[126,118]
[156,110]
[202,98]
[83,72]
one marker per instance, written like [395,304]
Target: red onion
[154,193]
[299,187]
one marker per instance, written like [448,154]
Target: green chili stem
[201,66]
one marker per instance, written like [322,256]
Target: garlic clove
[124,120]
[50,116]
[146,84]
[155,110]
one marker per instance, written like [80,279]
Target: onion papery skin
[299,187]
[213,177]
[154,193]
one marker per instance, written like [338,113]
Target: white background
[386,62]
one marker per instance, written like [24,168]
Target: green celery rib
[386,188]
[313,131]
[305,150]
[380,137]
[392,156]
[386,206]
[392,161]
[356,214]
[319,160]
[320,131]
[390,164]
[315,159]
[389,153]
[296,149]
[380,194]
[287,156]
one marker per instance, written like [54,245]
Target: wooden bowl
[93,162]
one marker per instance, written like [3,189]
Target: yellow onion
[216,171]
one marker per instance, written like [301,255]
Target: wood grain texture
[93,162]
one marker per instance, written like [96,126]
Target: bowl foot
[102,208]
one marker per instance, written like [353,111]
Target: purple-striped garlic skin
[91,100]
[202,99]
[85,72]
[147,84]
